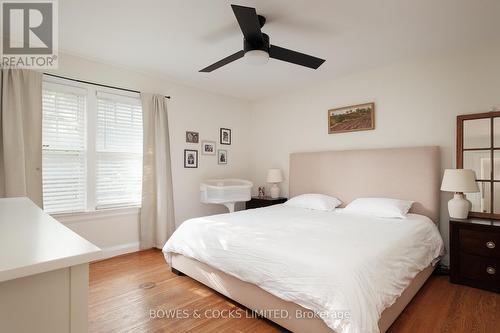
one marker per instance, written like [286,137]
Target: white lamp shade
[256,57]
[459,180]
[274,176]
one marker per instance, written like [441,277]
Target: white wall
[416,104]
[188,109]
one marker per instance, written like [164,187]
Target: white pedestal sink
[225,192]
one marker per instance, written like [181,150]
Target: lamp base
[275,191]
[459,206]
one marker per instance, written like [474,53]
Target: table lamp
[274,176]
[459,181]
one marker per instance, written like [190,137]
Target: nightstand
[475,253]
[258,202]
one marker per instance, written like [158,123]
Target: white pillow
[314,201]
[380,207]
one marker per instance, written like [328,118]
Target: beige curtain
[157,213]
[21,134]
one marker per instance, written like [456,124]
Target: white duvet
[328,262]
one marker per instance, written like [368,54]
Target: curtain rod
[95,84]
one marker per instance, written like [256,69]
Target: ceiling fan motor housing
[250,45]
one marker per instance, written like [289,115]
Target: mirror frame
[460,154]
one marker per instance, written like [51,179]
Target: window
[119,151]
[64,151]
[92,148]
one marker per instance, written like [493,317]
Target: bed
[243,258]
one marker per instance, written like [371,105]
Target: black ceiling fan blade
[295,57]
[249,23]
[223,62]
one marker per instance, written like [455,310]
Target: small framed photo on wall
[190,158]
[192,137]
[222,156]
[225,136]
[208,147]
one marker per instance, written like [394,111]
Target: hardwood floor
[117,303]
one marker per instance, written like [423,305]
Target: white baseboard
[113,251]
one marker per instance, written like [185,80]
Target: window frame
[90,116]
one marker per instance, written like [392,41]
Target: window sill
[69,218]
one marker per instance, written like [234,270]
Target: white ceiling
[176,38]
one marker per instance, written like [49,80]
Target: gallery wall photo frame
[208,147]
[225,136]
[222,156]
[190,158]
[360,117]
[192,137]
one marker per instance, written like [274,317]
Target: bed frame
[406,173]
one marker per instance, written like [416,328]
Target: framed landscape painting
[359,117]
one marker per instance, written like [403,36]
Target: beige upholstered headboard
[402,173]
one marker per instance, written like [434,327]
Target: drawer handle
[490,245]
[490,270]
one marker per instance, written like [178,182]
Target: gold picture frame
[359,117]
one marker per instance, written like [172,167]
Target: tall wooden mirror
[478,148]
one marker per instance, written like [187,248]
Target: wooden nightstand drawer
[480,243]
[486,270]
[475,253]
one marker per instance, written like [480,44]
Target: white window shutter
[92,149]
[118,150]
[64,152]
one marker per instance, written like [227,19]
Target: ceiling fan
[256,47]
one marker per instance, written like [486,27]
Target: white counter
[44,272]
[32,242]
